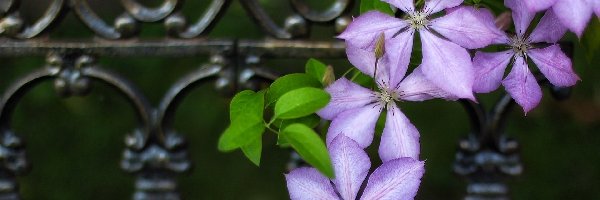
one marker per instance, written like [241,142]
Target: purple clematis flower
[354,110]
[394,179]
[520,82]
[445,62]
[574,14]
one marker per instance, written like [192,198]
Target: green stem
[347,71]
[271,129]
[270,122]
[419,2]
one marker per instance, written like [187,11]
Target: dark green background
[75,144]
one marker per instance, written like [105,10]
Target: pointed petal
[398,51]
[396,179]
[404,5]
[597,8]
[364,60]
[351,164]
[489,70]
[549,29]
[522,16]
[345,95]
[555,65]
[365,29]
[416,87]
[574,14]
[433,6]
[357,124]
[468,27]
[538,5]
[400,137]
[522,86]
[447,65]
[308,183]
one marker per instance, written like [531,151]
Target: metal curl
[125,25]
[262,18]
[476,114]
[146,14]
[179,90]
[13,24]
[176,22]
[7,5]
[143,108]
[334,11]
[18,89]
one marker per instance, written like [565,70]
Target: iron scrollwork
[155,152]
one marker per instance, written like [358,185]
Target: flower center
[418,20]
[520,45]
[386,97]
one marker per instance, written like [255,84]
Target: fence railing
[155,152]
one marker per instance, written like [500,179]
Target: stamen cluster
[520,45]
[386,97]
[418,20]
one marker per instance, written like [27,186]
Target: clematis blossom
[539,46]
[574,14]
[395,179]
[446,63]
[354,110]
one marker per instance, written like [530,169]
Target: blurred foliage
[75,144]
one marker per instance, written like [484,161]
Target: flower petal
[433,6]
[345,95]
[574,14]
[555,65]
[404,5]
[489,70]
[522,85]
[357,124]
[396,179]
[549,29]
[522,16]
[597,8]
[351,165]
[468,27]
[400,137]
[398,50]
[308,183]
[416,87]
[447,65]
[364,60]
[538,5]
[365,29]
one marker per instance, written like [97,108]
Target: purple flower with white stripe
[445,62]
[574,14]
[354,110]
[520,82]
[394,179]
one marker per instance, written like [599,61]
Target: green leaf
[243,130]
[247,101]
[290,82]
[310,147]
[320,71]
[282,142]
[246,114]
[300,102]
[368,5]
[310,121]
[362,79]
[253,150]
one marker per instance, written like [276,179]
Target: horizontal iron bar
[174,47]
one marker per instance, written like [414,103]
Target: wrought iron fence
[155,153]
